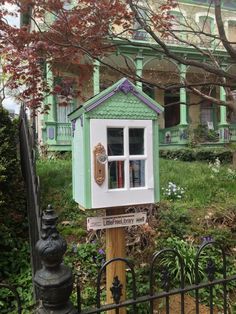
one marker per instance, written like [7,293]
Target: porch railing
[142,35]
[63,133]
[232,133]
[170,135]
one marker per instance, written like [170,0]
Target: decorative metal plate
[99,157]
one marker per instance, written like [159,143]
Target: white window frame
[102,196]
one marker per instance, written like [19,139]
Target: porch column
[183,97]
[51,116]
[96,77]
[223,112]
[139,68]
[223,126]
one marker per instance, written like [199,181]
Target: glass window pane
[136,173]
[115,142]
[136,141]
[116,174]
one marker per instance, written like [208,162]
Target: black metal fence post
[54,281]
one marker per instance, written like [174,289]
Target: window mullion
[145,137]
[126,154]
[138,157]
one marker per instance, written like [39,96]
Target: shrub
[14,257]
[203,154]
[188,252]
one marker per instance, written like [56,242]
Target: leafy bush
[188,252]
[86,260]
[14,257]
[203,134]
[173,221]
[187,154]
[12,190]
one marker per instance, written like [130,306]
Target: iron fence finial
[54,281]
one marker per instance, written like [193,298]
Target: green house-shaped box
[115,148]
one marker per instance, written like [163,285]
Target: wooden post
[234,160]
[115,247]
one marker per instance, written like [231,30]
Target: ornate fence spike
[116,290]
[54,281]
[210,269]
[165,278]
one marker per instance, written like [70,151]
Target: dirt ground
[175,306]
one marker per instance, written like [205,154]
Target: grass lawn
[202,186]
[208,198]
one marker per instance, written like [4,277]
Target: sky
[9,102]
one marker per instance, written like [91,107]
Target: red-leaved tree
[69,33]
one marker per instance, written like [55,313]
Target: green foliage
[201,189]
[14,257]
[172,263]
[188,252]
[198,154]
[173,192]
[56,184]
[142,285]
[173,222]
[86,260]
[202,134]
[17,265]
[11,192]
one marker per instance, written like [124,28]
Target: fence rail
[28,166]
[207,280]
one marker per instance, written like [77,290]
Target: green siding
[81,161]
[78,163]
[122,106]
[156,166]
[87,163]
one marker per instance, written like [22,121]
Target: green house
[115,148]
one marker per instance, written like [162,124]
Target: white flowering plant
[216,168]
[173,192]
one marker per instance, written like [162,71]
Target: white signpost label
[116,221]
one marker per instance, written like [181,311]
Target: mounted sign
[116,221]
[115,149]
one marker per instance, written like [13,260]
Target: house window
[207,114]
[139,33]
[172,109]
[206,25]
[176,27]
[232,31]
[126,151]
[230,4]
[64,91]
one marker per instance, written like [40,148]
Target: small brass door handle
[100,159]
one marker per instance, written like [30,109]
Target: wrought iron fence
[209,279]
[28,167]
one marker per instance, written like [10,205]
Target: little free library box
[115,155]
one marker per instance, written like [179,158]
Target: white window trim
[127,157]
[226,24]
[203,14]
[178,10]
[102,196]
